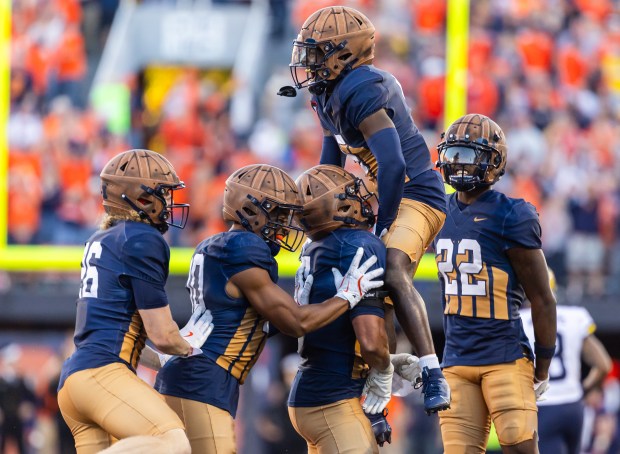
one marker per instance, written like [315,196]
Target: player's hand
[540,388]
[407,366]
[303,285]
[356,282]
[377,390]
[197,329]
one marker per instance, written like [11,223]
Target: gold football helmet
[333,198]
[264,200]
[473,153]
[143,181]
[332,40]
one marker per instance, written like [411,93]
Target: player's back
[574,324]
[481,292]
[360,93]
[108,325]
[238,337]
[332,368]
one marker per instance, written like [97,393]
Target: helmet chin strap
[244,222]
[163,228]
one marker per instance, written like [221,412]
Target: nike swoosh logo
[477,219]
[190,334]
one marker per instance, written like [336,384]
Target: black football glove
[380,427]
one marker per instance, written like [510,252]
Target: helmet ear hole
[344,208]
[249,212]
[344,57]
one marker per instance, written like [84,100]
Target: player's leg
[465,425]
[114,399]
[210,429]
[509,392]
[89,438]
[340,427]
[411,233]
[550,422]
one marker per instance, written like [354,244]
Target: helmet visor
[465,155]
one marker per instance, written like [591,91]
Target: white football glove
[356,282]
[197,329]
[540,388]
[407,366]
[303,285]
[377,390]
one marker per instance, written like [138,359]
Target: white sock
[430,361]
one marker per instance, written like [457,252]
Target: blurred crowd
[547,70]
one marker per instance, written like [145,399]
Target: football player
[560,415]
[489,258]
[122,301]
[324,401]
[364,114]
[234,274]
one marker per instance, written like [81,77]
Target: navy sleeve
[147,257]
[522,228]
[385,147]
[148,295]
[245,252]
[331,154]
[366,96]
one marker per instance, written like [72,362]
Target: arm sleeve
[385,147]
[522,228]
[146,266]
[331,154]
[147,295]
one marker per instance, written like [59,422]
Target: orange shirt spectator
[71,55]
[429,16]
[25,196]
[535,49]
[572,67]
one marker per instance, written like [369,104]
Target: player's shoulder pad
[245,244]
[360,81]
[142,239]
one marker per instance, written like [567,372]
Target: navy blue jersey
[237,338]
[481,292]
[362,92]
[108,327]
[332,368]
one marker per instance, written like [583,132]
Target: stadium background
[196,80]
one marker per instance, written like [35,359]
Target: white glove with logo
[377,390]
[303,284]
[197,329]
[540,388]
[356,282]
[195,332]
[407,366]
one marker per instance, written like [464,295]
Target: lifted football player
[324,402]
[489,258]
[234,274]
[364,114]
[122,301]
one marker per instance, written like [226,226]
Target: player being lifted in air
[234,274]
[364,114]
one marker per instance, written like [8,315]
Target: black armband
[373,298]
[543,352]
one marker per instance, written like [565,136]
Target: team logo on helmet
[143,182]
[332,41]
[333,198]
[264,200]
[472,153]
